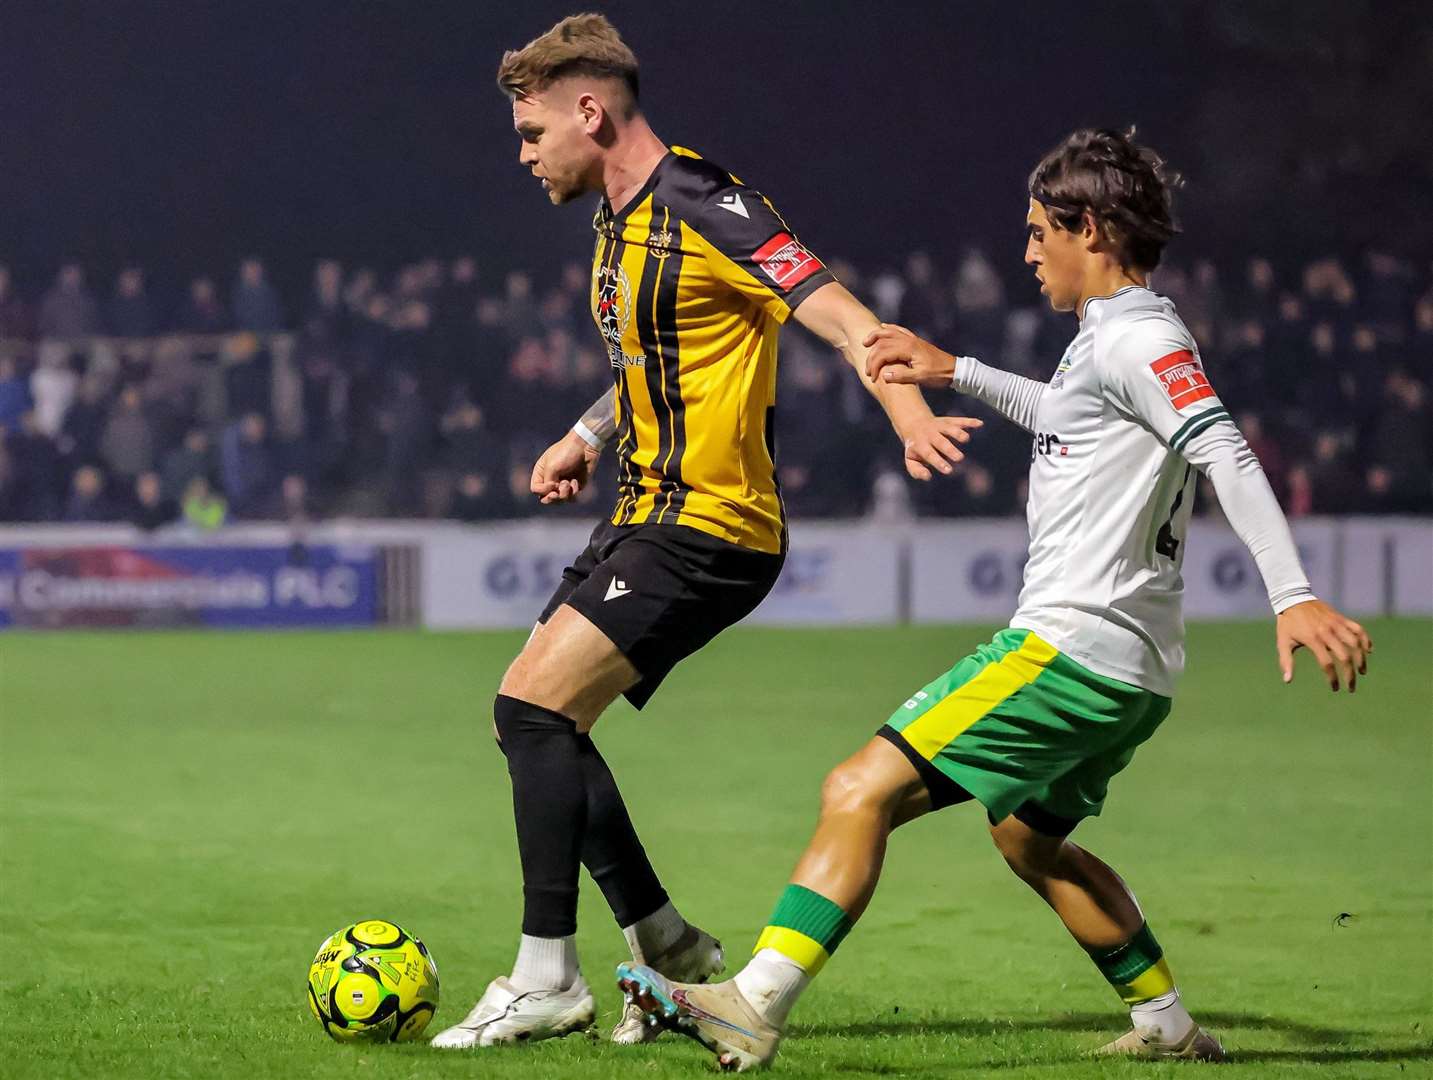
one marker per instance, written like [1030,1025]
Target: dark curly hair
[1125,187]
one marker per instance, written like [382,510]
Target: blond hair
[578,45]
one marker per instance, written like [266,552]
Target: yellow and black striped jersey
[691,281]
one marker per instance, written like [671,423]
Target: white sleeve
[1222,454]
[1152,372]
[1011,395]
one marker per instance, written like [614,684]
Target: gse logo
[1230,571]
[512,577]
[993,573]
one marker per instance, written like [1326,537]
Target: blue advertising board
[298,585]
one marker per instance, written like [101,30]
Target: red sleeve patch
[785,261]
[1182,376]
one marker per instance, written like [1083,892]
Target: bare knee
[854,788]
[842,790]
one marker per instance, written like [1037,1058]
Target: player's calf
[1104,918]
[742,1019]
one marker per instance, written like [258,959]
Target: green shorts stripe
[1017,721]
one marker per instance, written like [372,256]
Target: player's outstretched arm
[931,442]
[1154,373]
[898,356]
[567,464]
[1340,645]
[1220,451]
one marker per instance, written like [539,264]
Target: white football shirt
[1118,432]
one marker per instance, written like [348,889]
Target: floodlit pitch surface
[184,817]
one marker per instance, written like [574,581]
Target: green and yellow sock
[1136,969]
[805,928]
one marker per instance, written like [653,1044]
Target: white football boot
[718,1016]
[505,1014]
[1197,1045]
[694,958]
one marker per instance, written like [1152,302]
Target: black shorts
[661,592]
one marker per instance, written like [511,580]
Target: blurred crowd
[430,392]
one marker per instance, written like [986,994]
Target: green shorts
[1019,726]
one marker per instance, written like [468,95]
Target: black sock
[611,851]
[549,800]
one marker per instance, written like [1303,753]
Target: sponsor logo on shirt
[785,261]
[614,314]
[621,360]
[1182,377]
[734,204]
[614,303]
[1047,443]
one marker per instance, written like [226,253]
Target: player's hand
[932,443]
[563,469]
[898,356]
[1339,644]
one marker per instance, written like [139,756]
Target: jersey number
[1165,542]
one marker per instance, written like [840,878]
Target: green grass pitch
[184,817]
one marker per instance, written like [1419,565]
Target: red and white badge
[1182,376]
[785,261]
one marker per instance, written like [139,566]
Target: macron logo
[733,203]
[615,588]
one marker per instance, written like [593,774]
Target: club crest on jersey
[660,244]
[1066,362]
[613,304]
[1182,378]
[785,261]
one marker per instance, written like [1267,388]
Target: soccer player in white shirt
[1034,724]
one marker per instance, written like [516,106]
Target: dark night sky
[182,135]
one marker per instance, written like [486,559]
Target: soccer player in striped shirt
[693,274]
[1035,724]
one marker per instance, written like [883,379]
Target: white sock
[1166,1014]
[771,982]
[545,963]
[649,938]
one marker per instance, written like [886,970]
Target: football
[373,982]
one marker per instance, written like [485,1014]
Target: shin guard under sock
[550,809]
